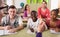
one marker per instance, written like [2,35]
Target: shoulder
[39,8]
[5,17]
[18,17]
[29,19]
[58,20]
[47,9]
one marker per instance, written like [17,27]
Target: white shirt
[32,24]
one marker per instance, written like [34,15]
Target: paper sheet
[5,32]
[54,32]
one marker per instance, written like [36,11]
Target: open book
[5,32]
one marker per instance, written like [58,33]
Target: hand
[32,30]
[12,30]
[41,27]
[57,29]
[7,27]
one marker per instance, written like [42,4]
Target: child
[11,22]
[54,23]
[33,22]
[27,11]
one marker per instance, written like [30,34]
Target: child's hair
[34,12]
[55,10]
[26,6]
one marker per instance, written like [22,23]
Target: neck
[53,19]
[43,7]
[11,17]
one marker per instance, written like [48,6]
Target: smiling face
[12,11]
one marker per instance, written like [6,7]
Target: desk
[23,33]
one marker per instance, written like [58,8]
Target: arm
[28,24]
[20,24]
[29,27]
[39,11]
[2,21]
[48,13]
[19,27]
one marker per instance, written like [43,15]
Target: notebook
[5,32]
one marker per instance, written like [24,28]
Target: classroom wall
[9,2]
[58,3]
[32,6]
[17,3]
[52,4]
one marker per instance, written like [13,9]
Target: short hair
[12,6]
[34,12]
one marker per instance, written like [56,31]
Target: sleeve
[48,13]
[28,24]
[3,21]
[20,21]
[39,12]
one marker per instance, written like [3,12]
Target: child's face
[28,7]
[33,16]
[53,15]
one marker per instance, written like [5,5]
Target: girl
[54,23]
[27,11]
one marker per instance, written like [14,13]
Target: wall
[51,5]
[54,4]
[9,2]
[17,3]
[58,3]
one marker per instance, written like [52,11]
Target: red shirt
[45,14]
[56,22]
